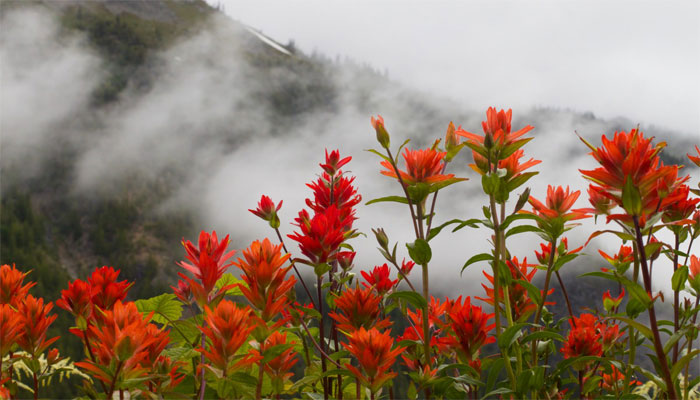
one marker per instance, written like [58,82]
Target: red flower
[34,321]
[77,299]
[227,327]
[373,351]
[584,340]
[407,267]
[469,324]
[360,308]
[562,249]
[379,279]
[11,289]
[266,288]
[498,127]
[208,261]
[183,291]
[104,288]
[267,210]
[422,166]
[11,328]
[345,259]
[321,235]
[523,305]
[337,191]
[334,163]
[553,216]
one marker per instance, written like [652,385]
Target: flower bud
[382,239]
[522,200]
[451,137]
[382,134]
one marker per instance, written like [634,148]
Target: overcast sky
[638,59]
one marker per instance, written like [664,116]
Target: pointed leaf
[165,308]
[396,199]
[477,258]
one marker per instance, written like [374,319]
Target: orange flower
[520,300]
[614,381]
[382,135]
[11,328]
[227,328]
[498,127]
[553,216]
[631,157]
[694,274]
[334,163]
[206,262]
[422,166]
[279,368]
[121,344]
[469,324]
[681,208]
[11,289]
[621,261]
[266,288]
[360,308]
[373,351]
[511,164]
[34,321]
[562,249]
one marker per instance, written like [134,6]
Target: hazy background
[201,119]
[637,59]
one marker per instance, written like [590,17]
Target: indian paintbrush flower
[375,356]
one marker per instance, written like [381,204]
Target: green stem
[566,298]
[538,314]
[258,387]
[658,348]
[676,300]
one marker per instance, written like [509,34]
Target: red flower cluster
[207,263]
[470,327]
[631,169]
[422,166]
[379,279]
[227,328]
[267,288]
[523,305]
[589,337]
[374,353]
[360,308]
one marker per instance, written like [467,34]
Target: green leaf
[652,248]
[411,297]
[679,278]
[634,308]
[621,235]
[418,192]
[516,217]
[472,223]
[379,154]
[561,261]
[510,335]
[477,148]
[229,279]
[477,258]
[522,229]
[395,199]
[543,335]
[532,291]
[519,180]
[435,231]
[444,183]
[419,251]
[490,183]
[631,198]
[641,328]
[678,366]
[636,291]
[513,147]
[494,392]
[321,268]
[166,308]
